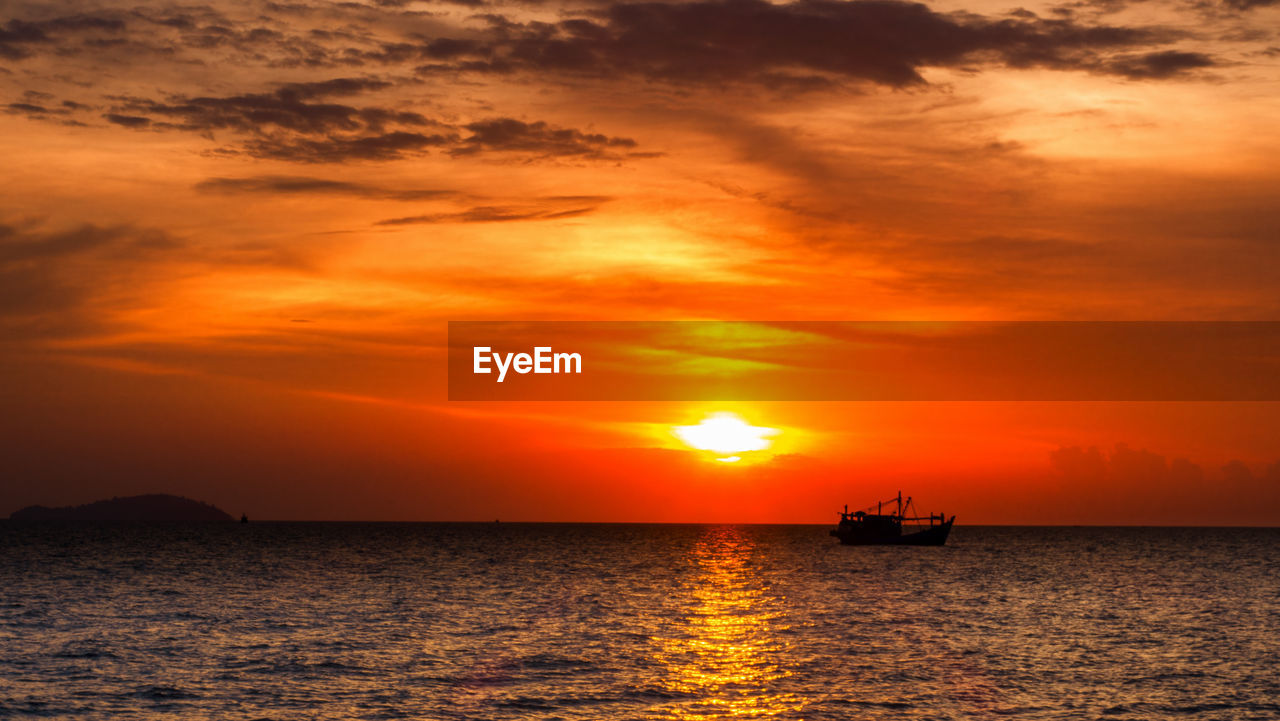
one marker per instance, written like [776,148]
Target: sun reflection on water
[723,652]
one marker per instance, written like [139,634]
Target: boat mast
[899,505]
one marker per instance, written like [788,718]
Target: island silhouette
[150,507]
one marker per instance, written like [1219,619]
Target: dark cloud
[806,42]
[41,106]
[1159,65]
[1249,4]
[19,38]
[798,46]
[26,109]
[332,88]
[449,48]
[295,123]
[507,134]
[286,108]
[16,245]
[302,185]
[1150,482]
[49,278]
[128,121]
[552,208]
[334,149]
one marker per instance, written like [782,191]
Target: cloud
[1159,65]
[49,278]
[1141,471]
[797,46]
[38,106]
[302,185]
[808,42]
[299,122]
[993,263]
[33,110]
[16,246]
[1249,4]
[332,87]
[19,38]
[553,208]
[539,138]
[285,108]
[293,124]
[127,121]
[86,279]
[1150,486]
[337,149]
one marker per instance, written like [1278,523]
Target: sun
[726,435]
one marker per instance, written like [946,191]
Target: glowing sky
[231,235]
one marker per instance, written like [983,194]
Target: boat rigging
[863,528]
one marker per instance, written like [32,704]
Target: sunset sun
[726,435]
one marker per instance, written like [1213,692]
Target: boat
[863,528]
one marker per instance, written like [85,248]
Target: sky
[232,236]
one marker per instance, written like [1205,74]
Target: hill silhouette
[151,507]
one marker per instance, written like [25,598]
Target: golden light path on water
[725,651]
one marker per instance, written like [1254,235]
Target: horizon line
[499,522]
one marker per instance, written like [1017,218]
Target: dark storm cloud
[880,41]
[302,185]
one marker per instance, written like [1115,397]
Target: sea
[600,621]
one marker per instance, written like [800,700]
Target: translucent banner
[864,361]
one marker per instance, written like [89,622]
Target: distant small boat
[244,518]
[863,528]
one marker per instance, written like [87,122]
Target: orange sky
[231,237]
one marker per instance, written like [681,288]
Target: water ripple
[457,621]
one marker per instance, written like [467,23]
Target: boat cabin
[872,523]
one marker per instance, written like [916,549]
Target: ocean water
[514,621]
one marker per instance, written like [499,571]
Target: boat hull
[931,536]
